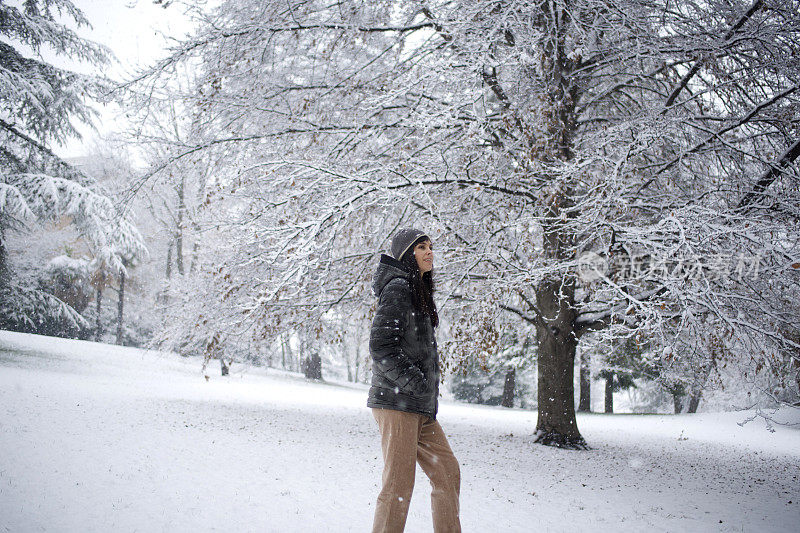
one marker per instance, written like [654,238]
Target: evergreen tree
[40,105]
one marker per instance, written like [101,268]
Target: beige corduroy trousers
[407,439]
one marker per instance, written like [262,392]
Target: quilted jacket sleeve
[388,327]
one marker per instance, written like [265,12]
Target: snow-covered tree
[40,104]
[653,141]
[503,379]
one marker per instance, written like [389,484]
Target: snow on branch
[43,197]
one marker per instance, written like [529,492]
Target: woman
[405,387]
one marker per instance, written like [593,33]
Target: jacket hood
[388,269]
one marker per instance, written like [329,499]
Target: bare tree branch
[775,170]
[699,62]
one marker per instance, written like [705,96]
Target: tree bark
[288,362]
[357,362]
[120,306]
[346,353]
[98,325]
[555,296]
[349,366]
[694,401]
[610,393]
[797,379]
[585,401]
[179,229]
[556,425]
[677,403]
[508,388]
[195,252]
[3,259]
[168,272]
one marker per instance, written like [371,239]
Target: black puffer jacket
[405,366]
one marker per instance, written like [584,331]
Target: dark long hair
[422,286]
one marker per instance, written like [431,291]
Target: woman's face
[423,253]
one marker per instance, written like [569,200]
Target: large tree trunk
[555,297]
[694,401]
[556,425]
[610,393]
[677,402]
[120,306]
[585,401]
[508,388]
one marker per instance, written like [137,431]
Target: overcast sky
[137,32]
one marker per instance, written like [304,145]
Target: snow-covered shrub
[67,279]
[32,310]
[476,384]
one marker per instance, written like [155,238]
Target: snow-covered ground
[102,438]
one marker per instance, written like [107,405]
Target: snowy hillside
[103,438]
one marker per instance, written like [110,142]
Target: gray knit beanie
[403,240]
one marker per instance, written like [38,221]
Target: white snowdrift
[102,438]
